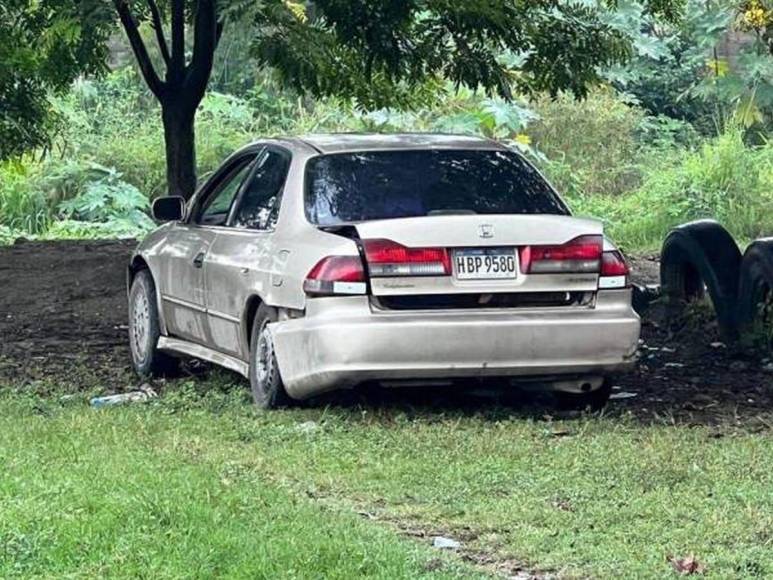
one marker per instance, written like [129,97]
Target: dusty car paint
[324,343]
[345,342]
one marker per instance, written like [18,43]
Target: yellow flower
[523,139]
[755,15]
[298,10]
[718,66]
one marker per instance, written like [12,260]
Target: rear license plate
[485,264]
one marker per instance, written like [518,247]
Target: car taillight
[387,258]
[614,270]
[579,255]
[336,275]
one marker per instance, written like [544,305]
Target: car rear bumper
[342,341]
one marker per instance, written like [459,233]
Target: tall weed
[592,144]
[23,206]
[724,179]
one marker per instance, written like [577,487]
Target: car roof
[340,142]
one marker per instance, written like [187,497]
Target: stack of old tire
[702,257]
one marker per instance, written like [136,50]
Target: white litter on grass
[718,345]
[673,365]
[623,395]
[307,427]
[443,543]
[144,393]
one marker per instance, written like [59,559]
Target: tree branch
[139,49]
[177,67]
[159,28]
[204,43]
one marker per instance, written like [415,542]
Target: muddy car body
[337,259]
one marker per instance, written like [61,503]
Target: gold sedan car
[320,262]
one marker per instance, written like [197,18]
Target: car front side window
[217,205]
[258,207]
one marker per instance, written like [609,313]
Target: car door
[241,259]
[185,252]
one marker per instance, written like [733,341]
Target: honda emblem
[486,231]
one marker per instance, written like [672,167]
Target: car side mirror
[168,209]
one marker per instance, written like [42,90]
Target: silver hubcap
[264,356]
[140,326]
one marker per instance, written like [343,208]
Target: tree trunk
[179,138]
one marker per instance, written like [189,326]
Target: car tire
[594,401]
[268,391]
[144,330]
[701,256]
[755,292]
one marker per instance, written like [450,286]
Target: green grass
[198,483]
[140,493]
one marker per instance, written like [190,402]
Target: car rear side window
[372,185]
[258,207]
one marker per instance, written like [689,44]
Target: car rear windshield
[372,185]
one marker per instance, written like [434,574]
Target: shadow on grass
[488,399]
[646,400]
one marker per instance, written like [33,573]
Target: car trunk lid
[492,245]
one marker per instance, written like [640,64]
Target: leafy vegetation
[44,46]
[378,53]
[724,178]
[680,132]
[154,484]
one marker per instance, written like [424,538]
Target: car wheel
[144,329]
[594,400]
[698,257]
[755,293]
[268,391]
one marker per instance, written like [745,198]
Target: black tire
[268,391]
[144,330]
[755,292]
[702,255]
[643,296]
[593,401]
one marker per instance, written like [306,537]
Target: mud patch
[688,374]
[63,313]
[63,320]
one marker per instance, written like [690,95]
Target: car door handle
[198,261]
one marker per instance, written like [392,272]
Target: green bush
[724,179]
[68,198]
[106,199]
[640,173]
[22,206]
[592,144]
[7,235]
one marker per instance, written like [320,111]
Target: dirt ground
[63,320]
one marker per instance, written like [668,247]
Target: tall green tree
[44,46]
[378,52]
